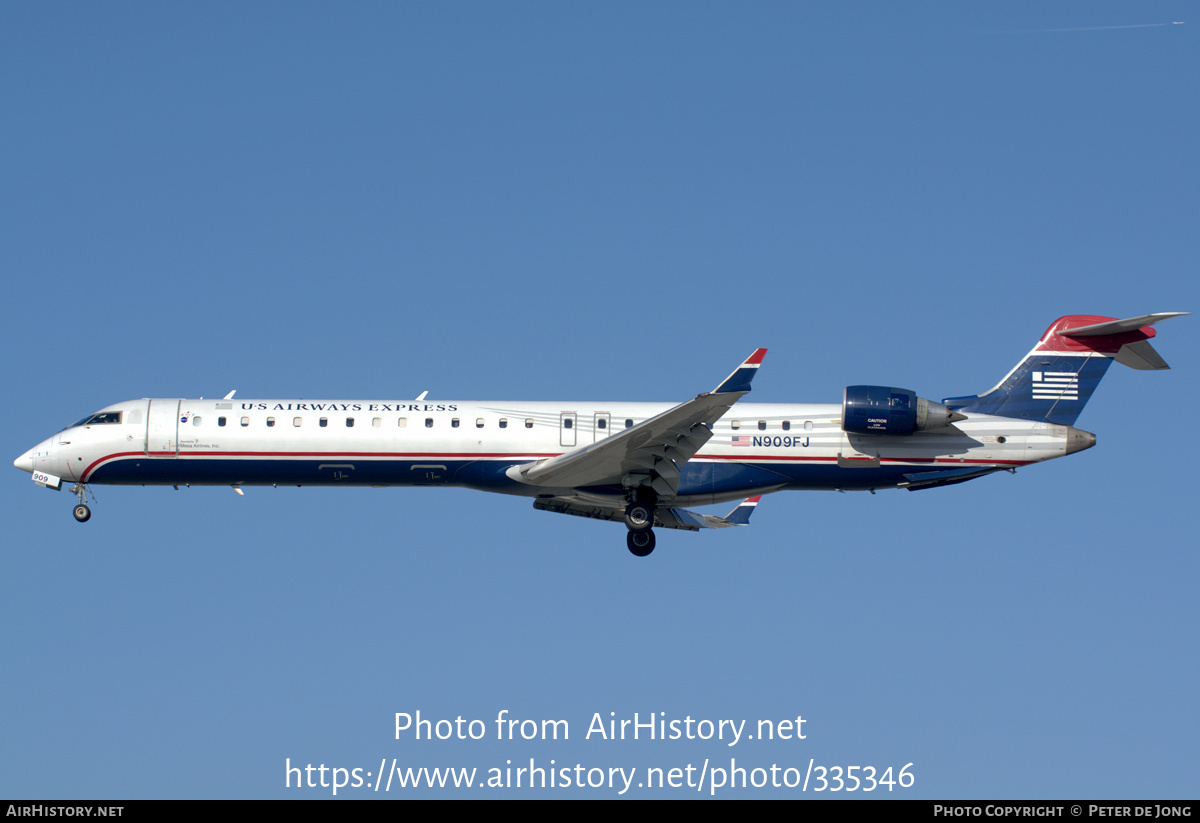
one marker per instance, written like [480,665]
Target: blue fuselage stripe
[701,477]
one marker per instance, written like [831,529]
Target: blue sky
[543,201]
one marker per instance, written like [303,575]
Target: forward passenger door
[162,428]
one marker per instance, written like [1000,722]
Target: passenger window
[787,425]
[504,422]
[270,422]
[602,424]
[296,421]
[220,421]
[529,422]
[454,423]
[762,425]
[808,425]
[568,423]
[349,422]
[479,422]
[376,421]
[324,422]
[245,421]
[196,420]
[735,424]
[429,422]
[629,424]
[402,422]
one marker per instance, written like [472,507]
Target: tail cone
[1078,440]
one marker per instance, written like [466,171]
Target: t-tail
[1055,380]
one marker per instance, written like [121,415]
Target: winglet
[741,515]
[739,381]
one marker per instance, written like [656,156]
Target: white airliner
[640,463]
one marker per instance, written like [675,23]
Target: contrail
[1103,28]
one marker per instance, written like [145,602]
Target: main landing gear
[82,512]
[639,518]
[640,543]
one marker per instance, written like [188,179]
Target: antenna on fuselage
[229,396]
[422,396]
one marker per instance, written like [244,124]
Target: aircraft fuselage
[756,447]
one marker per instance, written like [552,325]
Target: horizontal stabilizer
[1119,326]
[1141,356]
[1131,335]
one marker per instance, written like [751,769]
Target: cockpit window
[97,419]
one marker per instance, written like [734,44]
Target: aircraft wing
[651,453]
[666,518]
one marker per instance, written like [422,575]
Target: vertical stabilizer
[1055,380]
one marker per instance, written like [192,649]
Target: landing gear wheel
[639,517]
[640,543]
[82,513]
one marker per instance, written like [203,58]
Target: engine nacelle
[885,410]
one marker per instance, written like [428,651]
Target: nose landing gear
[82,512]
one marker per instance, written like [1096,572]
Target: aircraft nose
[25,462]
